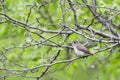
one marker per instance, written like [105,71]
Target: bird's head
[75,43]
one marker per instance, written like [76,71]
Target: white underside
[78,52]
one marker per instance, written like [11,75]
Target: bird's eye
[74,41]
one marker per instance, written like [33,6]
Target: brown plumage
[80,48]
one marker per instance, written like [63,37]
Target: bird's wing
[84,49]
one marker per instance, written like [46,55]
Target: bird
[80,49]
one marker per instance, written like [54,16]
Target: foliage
[36,36]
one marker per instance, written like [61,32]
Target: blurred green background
[19,59]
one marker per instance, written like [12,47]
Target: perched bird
[80,49]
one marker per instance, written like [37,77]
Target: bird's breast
[78,51]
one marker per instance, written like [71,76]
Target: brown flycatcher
[80,49]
